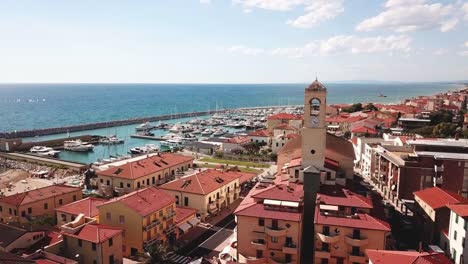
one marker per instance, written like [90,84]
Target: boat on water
[144,126]
[189,138]
[162,125]
[207,132]
[110,140]
[172,143]
[146,149]
[145,133]
[77,145]
[219,132]
[197,131]
[44,151]
[382,95]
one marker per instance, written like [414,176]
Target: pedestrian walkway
[178,259]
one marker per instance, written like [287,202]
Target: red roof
[144,167]
[238,140]
[145,201]
[284,116]
[363,129]
[295,162]
[340,119]
[204,182]
[436,197]
[96,233]
[281,192]
[285,127]
[87,206]
[291,136]
[405,257]
[260,133]
[336,195]
[354,140]
[183,214]
[38,194]
[258,210]
[459,209]
[360,221]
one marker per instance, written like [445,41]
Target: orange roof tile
[238,140]
[285,127]
[260,133]
[284,116]
[95,233]
[436,197]
[459,209]
[281,192]
[38,194]
[144,167]
[361,221]
[337,195]
[145,201]
[405,257]
[87,206]
[363,129]
[183,214]
[258,210]
[203,182]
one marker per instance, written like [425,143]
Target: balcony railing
[328,238]
[170,229]
[275,231]
[150,242]
[154,223]
[356,242]
[290,249]
[258,244]
[169,215]
[320,253]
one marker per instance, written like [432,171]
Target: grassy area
[242,169]
[236,162]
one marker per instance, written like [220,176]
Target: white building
[457,233]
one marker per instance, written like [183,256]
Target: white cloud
[440,52]
[412,15]
[349,44]
[316,11]
[466,44]
[240,49]
[465,9]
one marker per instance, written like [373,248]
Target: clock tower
[314,131]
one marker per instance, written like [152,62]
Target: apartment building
[14,238]
[284,118]
[142,172]
[207,191]
[405,257]
[87,207]
[147,217]
[23,207]
[457,234]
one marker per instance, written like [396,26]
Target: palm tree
[157,254]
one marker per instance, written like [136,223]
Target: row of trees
[358,107]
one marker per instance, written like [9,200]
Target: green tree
[444,130]
[370,107]
[353,108]
[157,254]
[252,148]
[442,116]
[219,154]
[424,131]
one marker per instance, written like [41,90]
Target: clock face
[314,121]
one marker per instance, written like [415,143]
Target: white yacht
[144,126]
[44,151]
[77,145]
[218,132]
[171,143]
[146,149]
[207,132]
[111,140]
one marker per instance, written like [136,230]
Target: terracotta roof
[436,197]
[363,129]
[203,182]
[316,85]
[38,194]
[144,167]
[291,136]
[182,214]
[337,195]
[361,221]
[87,206]
[238,140]
[341,119]
[260,133]
[258,210]
[295,162]
[405,257]
[459,209]
[285,127]
[284,116]
[281,192]
[145,201]
[354,141]
[95,233]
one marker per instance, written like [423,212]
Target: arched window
[314,106]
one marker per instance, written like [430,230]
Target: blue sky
[232,41]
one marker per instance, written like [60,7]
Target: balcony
[150,242]
[329,238]
[275,231]
[154,223]
[212,207]
[122,190]
[220,199]
[169,215]
[357,259]
[259,234]
[170,229]
[258,244]
[356,242]
[290,249]
[277,260]
[319,253]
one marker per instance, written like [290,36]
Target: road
[205,245]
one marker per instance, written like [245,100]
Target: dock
[45,160]
[148,137]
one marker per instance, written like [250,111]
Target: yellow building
[269,224]
[207,191]
[87,207]
[142,172]
[147,216]
[88,242]
[22,207]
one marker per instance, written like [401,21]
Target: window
[455,235]
[121,219]
[29,210]
[355,251]
[274,224]
[261,222]
[80,243]
[111,242]
[153,180]
[456,218]
[60,201]
[111,259]
[108,182]
[102,180]
[23,213]
[274,239]
[128,185]
[9,210]
[121,185]
[147,182]
[185,201]
[64,217]
[138,185]
[108,216]
[94,262]
[465,224]
[160,213]
[259,254]
[93,246]
[1,208]
[454,254]
[46,206]
[177,199]
[74,197]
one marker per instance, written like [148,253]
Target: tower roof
[316,86]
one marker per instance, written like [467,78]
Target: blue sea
[32,106]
